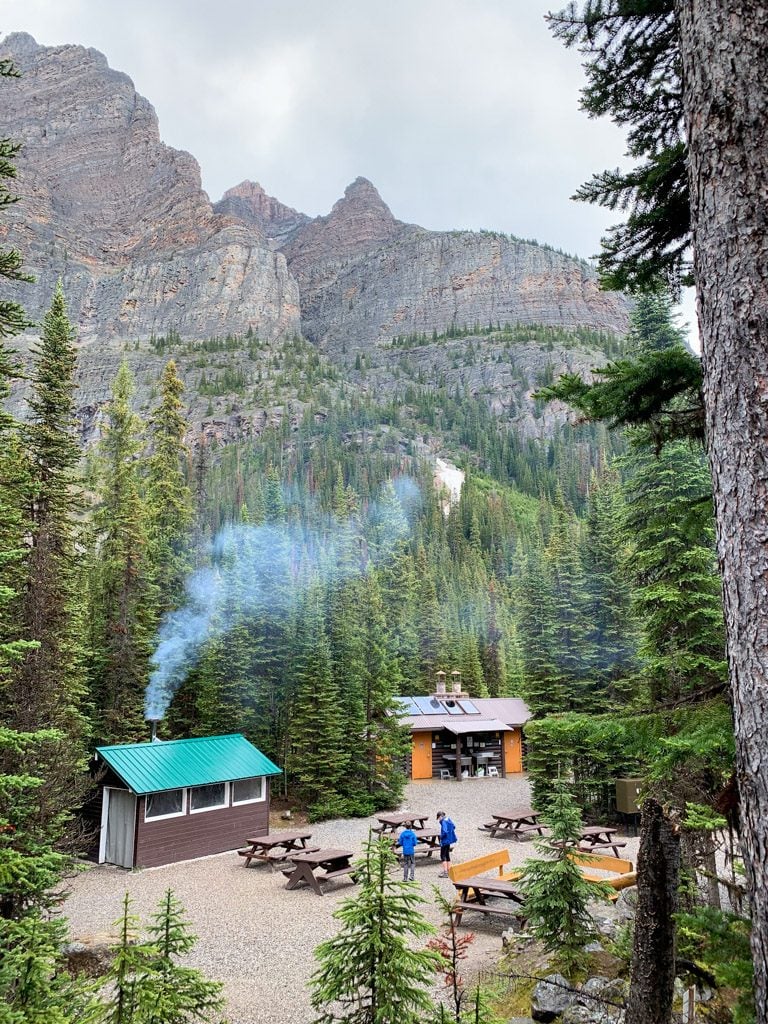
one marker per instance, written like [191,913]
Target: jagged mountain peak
[250,203]
[20,42]
[361,197]
[359,221]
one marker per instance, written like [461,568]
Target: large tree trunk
[652,976]
[724,47]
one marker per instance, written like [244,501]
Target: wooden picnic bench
[333,864]
[599,837]
[275,847]
[620,873]
[389,823]
[517,822]
[475,889]
[429,841]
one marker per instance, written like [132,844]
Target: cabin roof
[462,716]
[175,764]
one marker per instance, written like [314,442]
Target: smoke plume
[248,564]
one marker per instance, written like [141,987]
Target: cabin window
[169,804]
[248,791]
[207,798]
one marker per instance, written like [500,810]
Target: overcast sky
[463,113]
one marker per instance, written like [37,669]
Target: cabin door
[118,827]
[513,752]
[421,767]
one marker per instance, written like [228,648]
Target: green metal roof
[174,764]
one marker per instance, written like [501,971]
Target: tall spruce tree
[321,750]
[124,610]
[671,561]
[48,687]
[169,500]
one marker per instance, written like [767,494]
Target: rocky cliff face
[270,219]
[120,216]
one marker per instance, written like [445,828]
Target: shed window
[207,798]
[248,791]
[169,804]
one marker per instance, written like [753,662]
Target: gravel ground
[258,938]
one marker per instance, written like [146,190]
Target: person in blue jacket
[408,840]
[447,839]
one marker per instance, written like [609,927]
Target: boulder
[594,1004]
[90,955]
[551,997]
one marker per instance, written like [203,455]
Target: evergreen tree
[146,983]
[671,560]
[545,687]
[169,501]
[611,641]
[368,973]
[320,749]
[556,893]
[48,687]
[431,627]
[633,74]
[385,741]
[124,610]
[35,986]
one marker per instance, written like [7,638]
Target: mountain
[120,216]
[123,219]
[151,268]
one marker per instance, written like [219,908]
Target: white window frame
[149,818]
[213,807]
[253,799]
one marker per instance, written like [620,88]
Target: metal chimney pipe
[153,729]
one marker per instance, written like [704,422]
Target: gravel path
[257,937]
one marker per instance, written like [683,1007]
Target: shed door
[513,752]
[422,755]
[121,827]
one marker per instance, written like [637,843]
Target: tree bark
[724,49]
[652,976]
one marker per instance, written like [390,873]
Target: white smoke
[246,560]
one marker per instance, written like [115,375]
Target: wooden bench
[337,873]
[479,866]
[623,871]
[460,906]
[607,845]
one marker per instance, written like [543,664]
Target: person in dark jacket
[447,839]
[407,840]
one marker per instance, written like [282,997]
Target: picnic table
[599,837]
[429,841]
[390,823]
[333,863]
[275,846]
[474,894]
[517,822]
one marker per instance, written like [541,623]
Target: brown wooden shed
[169,801]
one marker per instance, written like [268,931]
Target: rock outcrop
[120,216]
[273,221]
[123,219]
[420,281]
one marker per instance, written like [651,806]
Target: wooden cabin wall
[198,835]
